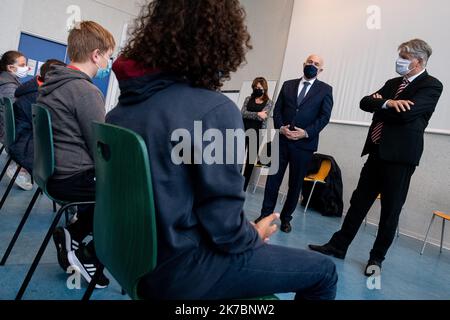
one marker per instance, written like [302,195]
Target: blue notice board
[38,50]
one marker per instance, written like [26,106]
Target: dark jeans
[250,162]
[298,161]
[78,188]
[273,269]
[392,181]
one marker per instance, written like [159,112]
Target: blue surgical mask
[402,66]
[103,73]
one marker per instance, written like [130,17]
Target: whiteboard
[358,40]
[246,91]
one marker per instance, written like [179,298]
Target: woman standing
[256,112]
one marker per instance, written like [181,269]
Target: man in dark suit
[402,110]
[302,111]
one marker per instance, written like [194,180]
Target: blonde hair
[86,37]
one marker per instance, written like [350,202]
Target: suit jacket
[312,115]
[402,136]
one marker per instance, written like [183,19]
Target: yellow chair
[445,217]
[319,177]
[398,226]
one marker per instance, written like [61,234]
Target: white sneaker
[11,170]
[24,181]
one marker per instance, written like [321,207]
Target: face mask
[22,72]
[104,73]
[402,66]
[310,71]
[257,93]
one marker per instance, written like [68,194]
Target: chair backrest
[324,171]
[9,123]
[124,220]
[44,161]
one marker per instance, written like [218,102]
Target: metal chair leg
[1,150]
[428,232]
[94,280]
[442,234]
[54,207]
[44,245]
[11,184]
[40,253]
[5,168]
[310,196]
[19,228]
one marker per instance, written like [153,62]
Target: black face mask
[258,93]
[310,71]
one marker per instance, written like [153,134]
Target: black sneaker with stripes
[85,261]
[64,243]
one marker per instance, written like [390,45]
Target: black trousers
[78,188]
[392,181]
[298,161]
[250,161]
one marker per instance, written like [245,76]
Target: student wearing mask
[26,95]
[255,112]
[13,67]
[207,249]
[74,103]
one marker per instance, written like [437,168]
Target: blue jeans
[274,269]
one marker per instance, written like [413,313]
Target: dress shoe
[373,268]
[286,227]
[329,250]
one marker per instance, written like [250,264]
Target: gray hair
[419,49]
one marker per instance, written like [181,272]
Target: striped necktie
[377,129]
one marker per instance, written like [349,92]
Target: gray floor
[406,274]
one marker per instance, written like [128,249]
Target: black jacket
[327,198]
[402,137]
[22,150]
[312,115]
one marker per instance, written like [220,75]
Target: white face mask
[22,72]
[402,66]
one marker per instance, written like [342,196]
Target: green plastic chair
[124,220]
[43,169]
[9,129]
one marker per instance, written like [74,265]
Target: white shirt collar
[411,79]
[303,80]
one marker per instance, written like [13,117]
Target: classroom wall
[268,22]
[430,185]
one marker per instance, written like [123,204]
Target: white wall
[358,61]
[359,43]
[430,185]
[11,17]
[268,22]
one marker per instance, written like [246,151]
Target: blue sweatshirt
[201,225]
